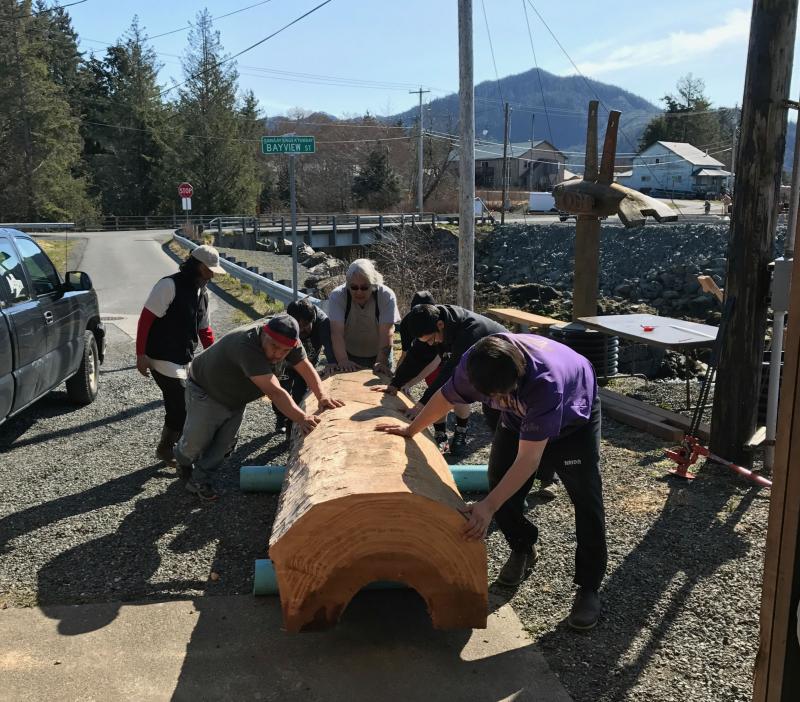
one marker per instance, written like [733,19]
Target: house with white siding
[676,169]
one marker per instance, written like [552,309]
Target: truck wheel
[82,387]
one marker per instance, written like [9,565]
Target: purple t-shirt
[557,391]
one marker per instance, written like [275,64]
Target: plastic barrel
[261,478]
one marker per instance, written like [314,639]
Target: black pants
[293,383]
[173,390]
[575,458]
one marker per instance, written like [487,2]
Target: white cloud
[676,47]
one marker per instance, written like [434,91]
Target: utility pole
[759,157]
[505,170]
[466,127]
[420,170]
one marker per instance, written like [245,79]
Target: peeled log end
[397,537]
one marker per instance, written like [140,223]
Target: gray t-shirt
[361,325]
[224,369]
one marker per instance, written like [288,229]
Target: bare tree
[415,259]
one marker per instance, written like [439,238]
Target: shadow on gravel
[690,539]
[113,492]
[45,409]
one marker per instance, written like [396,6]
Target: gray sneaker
[518,566]
[203,490]
[548,490]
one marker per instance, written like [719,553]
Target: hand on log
[326,402]
[396,429]
[382,369]
[334,368]
[388,389]
[308,423]
[480,516]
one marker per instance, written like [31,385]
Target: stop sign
[185,190]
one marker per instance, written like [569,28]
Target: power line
[234,12]
[538,73]
[246,49]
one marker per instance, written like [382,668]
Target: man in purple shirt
[542,401]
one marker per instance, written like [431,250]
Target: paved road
[123,267]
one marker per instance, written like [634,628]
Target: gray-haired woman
[363,313]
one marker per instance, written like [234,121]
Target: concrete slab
[232,648]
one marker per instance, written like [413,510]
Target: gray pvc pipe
[266,583]
[468,478]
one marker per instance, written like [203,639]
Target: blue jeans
[209,433]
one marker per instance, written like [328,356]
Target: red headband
[280,338]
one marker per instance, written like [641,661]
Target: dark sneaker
[441,441]
[458,446]
[203,490]
[280,424]
[517,567]
[585,610]
[184,472]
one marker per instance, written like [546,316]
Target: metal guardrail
[258,282]
[40,226]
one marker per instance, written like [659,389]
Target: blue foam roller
[470,478]
[261,478]
[264,580]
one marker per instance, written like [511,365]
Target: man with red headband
[242,366]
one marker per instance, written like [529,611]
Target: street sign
[185,190]
[288,145]
[186,202]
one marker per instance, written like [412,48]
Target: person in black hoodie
[174,318]
[444,332]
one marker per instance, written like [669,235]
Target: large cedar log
[359,506]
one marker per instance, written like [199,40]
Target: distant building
[676,169]
[534,165]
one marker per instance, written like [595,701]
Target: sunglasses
[362,288]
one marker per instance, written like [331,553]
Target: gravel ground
[88,515]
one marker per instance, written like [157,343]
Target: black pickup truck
[50,329]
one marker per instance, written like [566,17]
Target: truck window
[13,287]
[44,276]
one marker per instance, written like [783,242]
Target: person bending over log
[442,334]
[315,335]
[363,313]
[242,366]
[544,399]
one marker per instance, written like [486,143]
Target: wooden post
[587,235]
[359,506]
[587,266]
[332,235]
[504,194]
[759,165]
[777,673]
[357,233]
[466,161]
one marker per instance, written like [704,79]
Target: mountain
[566,98]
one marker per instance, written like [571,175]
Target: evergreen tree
[376,185]
[40,175]
[214,153]
[689,118]
[126,131]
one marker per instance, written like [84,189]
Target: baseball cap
[210,256]
[283,330]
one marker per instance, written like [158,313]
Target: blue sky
[353,56]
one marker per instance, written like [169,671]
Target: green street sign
[288,145]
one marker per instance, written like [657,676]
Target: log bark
[359,506]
